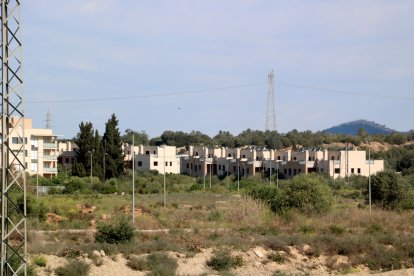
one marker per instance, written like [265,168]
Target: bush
[74,267]
[161,264]
[223,260]
[40,261]
[119,231]
[137,263]
[389,190]
[308,194]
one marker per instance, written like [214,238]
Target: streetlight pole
[165,192]
[91,153]
[277,174]
[133,177]
[238,175]
[369,175]
[270,170]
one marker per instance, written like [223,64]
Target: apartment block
[40,148]
[157,158]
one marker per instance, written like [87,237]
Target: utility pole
[270,112]
[369,174]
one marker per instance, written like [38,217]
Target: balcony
[50,157]
[50,170]
[49,145]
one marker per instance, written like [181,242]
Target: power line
[166,94]
[200,91]
[336,91]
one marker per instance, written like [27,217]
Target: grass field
[380,240]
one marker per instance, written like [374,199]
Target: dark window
[299,170]
[294,158]
[352,170]
[285,170]
[310,158]
[333,158]
[147,152]
[278,158]
[139,163]
[66,160]
[196,153]
[244,156]
[229,155]
[337,170]
[155,163]
[191,166]
[166,164]
[188,165]
[294,172]
[15,140]
[290,171]
[247,170]
[359,170]
[195,168]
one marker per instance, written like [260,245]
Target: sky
[186,65]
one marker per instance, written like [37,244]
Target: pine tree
[114,161]
[85,143]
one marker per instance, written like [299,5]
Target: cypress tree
[114,163]
[85,142]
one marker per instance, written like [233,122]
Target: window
[229,155]
[294,158]
[170,163]
[147,152]
[333,158]
[299,170]
[219,167]
[139,163]
[359,170]
[278,158]
[66,160]
[196,153]
[290,171]
[337,170]
[195,168]
[166,164]
[33,167]
[244,156]
[155,163]
[310,158]
[247,170]
[188,165]
[191,166]
[15,140]
[294,172]
[285,170]
[352,170]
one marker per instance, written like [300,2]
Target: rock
[96,253]
[259,253]
[85,255]
[104,216]
[257,264]
[123,193]
[92,223]
[102,253]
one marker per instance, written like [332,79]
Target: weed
[71,252]
[161,264]
[276,257]
[137,263]
[223,260]
[336,229]
[74,267]
[40,261]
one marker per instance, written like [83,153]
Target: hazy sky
[334,61]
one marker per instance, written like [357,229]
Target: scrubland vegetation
[315,214]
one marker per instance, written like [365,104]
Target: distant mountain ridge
[351,128]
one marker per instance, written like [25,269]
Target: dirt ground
[255,262]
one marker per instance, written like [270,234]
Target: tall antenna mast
[48,120]
[270,113]
[13,178]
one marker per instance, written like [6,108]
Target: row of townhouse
[221,161]
[42,149]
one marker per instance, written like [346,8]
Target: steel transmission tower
[270,112]
[13,180]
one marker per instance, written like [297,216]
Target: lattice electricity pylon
[270,112]
[13,180]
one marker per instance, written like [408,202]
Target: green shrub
[138,263]
[161,264]
[119,231]
[74,267]
[308,194]
[389,190]
[223,260]
[276,257]
[40,261]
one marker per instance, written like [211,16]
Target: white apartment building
[40,147]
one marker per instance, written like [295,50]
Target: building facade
[41,150]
